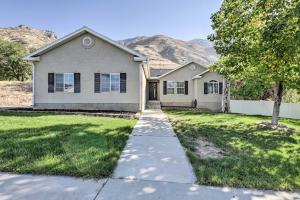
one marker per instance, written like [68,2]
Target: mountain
[163,52]
[167,53]
[31,38]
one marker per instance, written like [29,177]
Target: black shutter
[186,87]
[122,82]
[220,87]
[165,87]
[50,82]
[97,83]
[205,88]
[76,82]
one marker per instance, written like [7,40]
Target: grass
[256,157]
[54,144]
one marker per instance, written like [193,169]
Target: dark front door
[152,91]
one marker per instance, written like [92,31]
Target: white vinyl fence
[288,110]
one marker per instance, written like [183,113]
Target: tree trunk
[277,102]
[226,97]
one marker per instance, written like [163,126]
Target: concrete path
[154,153]
[153,166]
[118,189]
[28,187]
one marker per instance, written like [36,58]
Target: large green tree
[261,38]
[12,67]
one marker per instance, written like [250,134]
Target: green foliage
[251,88]
[291,96]
[258,37]
[12,67]
[54,144]
[255,157]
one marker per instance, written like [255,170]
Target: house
[88,71]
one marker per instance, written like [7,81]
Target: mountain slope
[166,53]
[163,52]
[31,38]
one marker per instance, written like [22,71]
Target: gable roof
[184,65]
[200,75]
[34,56]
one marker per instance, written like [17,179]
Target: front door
[152,90]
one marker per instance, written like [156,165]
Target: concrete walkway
[154,153]
[28,187]
[153,166]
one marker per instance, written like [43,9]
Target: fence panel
[288,110]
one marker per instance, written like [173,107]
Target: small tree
[259,37]
[12,67]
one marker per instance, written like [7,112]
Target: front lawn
[254,157]
[56,144]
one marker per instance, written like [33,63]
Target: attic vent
[87,42]
[192,67]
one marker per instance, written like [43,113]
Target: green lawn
[256,157]
[55,144]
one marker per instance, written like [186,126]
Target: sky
[117,19]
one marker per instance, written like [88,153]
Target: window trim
[171,87]
[64,91]
[175,87]
[183,87]
[213,83]
[119,82]
[110,90]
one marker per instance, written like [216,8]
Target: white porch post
[33,87]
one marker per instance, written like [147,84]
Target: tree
[260,37]
[12,67]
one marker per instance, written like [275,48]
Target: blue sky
[117,19]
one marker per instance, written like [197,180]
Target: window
[64,82]
[213,87]
[170,87]
[110,82]
[105,82]
[68,82]
[174,87]
[180,87]
[59,82]
[115,82]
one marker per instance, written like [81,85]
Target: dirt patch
[206,149]
[279,127]
[15,93]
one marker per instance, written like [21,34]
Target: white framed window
[213,87]
[180,87]
[64,82]
[105,82]
[115,82]
[68,82]
[59,82]
[110,82]
[174,87]
[170,87]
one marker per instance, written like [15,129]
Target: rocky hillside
[166,53]
[31,38]
[163,52]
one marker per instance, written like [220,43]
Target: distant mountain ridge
[162,51]
[167,53]
[31,38]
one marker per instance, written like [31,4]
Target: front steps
[155,105]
